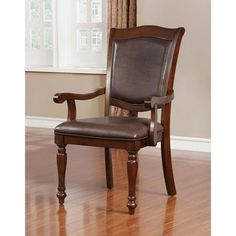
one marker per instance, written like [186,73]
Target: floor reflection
[169,216]
[61,214]
[110,216]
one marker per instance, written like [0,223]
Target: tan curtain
[121,14]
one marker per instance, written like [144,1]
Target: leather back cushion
[140,68]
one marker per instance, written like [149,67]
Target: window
[39,32]
[66,34]
[96,39]
[48,38]
[82,39]
[96,11]
[35,38]
[34,11]
[47,10]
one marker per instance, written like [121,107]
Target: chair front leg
[132,168]
[61,167]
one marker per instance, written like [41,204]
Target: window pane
[35,38]
[97,39]
[48,38]
[34,10]
[96,11]
[81,11]
[47,10]
[82,39]
[80,33]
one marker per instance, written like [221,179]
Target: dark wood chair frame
[151,104]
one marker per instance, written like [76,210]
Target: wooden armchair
[140,77]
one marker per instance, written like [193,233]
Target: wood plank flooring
[91,209]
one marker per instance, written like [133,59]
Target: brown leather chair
[140,77]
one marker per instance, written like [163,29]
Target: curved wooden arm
[154,103]
[61,97]
[159,101]
[71,97]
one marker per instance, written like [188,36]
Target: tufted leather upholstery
[115,128]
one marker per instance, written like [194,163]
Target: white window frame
[55,67]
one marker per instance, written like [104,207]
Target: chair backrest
[141,64]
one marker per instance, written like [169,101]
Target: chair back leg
[108,165]
[132,168]
[166,153]
[61,167]
[167,167]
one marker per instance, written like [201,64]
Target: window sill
[73,70]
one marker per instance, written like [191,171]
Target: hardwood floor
[91,209]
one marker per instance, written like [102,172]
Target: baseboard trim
[182,143]
[190,144]
[42,122]
[177,142]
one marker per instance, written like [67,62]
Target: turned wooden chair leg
[167,165]
[132,168]
[108,164]
[61,167]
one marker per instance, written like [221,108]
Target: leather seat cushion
[118,128]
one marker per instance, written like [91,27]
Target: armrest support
[153,126]
[61,97]
[154,103]
[71,97]
[159,101]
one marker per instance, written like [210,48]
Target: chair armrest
[159,101]
[71,97]
[61,97]
[154,103]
